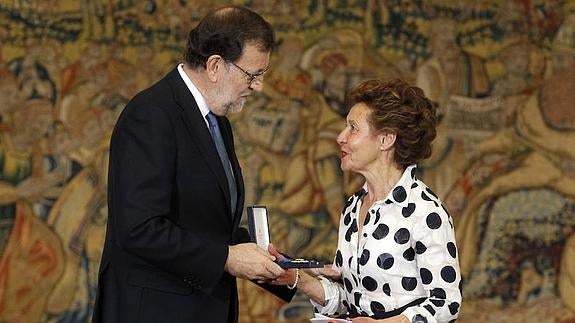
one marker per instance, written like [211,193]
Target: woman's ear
[387,140]
[213,67]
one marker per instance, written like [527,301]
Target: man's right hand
[249,261]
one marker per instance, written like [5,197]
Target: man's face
[233,88]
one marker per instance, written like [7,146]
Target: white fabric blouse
[406,252]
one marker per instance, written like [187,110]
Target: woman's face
[360,147]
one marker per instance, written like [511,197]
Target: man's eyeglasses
[251,77]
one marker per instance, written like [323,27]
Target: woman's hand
[327,271]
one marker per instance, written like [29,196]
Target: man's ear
[387,140]
[213,67]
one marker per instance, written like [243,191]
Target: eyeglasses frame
[251,77]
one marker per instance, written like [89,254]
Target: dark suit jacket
[169,220]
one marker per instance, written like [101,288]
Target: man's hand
[274,252]
[288,277]
[248,261]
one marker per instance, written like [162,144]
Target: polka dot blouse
[406,253]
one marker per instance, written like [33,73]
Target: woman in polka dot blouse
[396,259]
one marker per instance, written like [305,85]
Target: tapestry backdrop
[502,72]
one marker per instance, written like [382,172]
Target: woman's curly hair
[402,109]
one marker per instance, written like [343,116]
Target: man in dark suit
[173,247]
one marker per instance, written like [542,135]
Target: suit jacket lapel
[199,132]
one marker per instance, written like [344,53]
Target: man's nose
[257,85]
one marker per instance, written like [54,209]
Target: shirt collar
[400,192]
[202,105]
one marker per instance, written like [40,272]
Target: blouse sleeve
[438,265]
[334,296]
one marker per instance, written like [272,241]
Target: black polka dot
[350,201]
[352,229]
[448,274]
[430,192]
[399,194]
[452,249]
[401,236]
[338,258]
[385,261]
[433,220]
[419,319]
[376,307]
[426,276]
[364,257]
[438,293]
[369,283]
[386,289]
[349,261]
[425,196]
[412,173]
[388,201]
[409,254]
[366,221]
[408,210]
[365,235]
[430,309]
[437,302]
[347,219]
[348,285]
[352,310]
[414,185]
[356,298]
[420,247]
[453,308]
[354,279]
[409,283]
[381,231]
[377,215]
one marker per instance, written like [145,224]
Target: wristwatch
[418,319]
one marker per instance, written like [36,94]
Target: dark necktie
[219,141]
